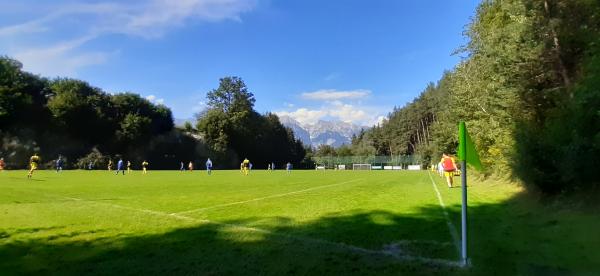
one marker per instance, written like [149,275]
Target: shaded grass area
[206,248]
[376,223]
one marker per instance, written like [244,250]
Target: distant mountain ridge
[333,133]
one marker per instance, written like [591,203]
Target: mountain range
[333,133]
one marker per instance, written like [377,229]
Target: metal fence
[400,160]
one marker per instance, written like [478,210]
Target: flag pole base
[465,263]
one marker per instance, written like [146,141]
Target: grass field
[309,222]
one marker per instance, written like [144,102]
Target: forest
[528,88]
[84,124]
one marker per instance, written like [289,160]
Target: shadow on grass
[506,239]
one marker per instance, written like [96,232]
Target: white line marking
[342,246]
[451,227]
[263,198]
[147,211]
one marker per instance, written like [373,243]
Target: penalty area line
[451,227]
[263,198]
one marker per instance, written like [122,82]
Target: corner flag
[466,148]
[467,155]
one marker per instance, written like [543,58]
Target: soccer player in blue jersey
[120,166]
[288,167]
[59,164]
[209,166]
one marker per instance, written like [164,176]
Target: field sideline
[308,222]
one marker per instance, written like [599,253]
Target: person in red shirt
[449,166]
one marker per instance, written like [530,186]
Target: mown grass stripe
[264,197]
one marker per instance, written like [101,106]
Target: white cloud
[332,94]
[201,105]
[56,12]
[348,113]
[60,59]
[28,27]
[155,100]
[140,18]
[337,111]
[304,115]
[157,17]
[378,121]
[147,19]
[334,108]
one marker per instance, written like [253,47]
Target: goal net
[361,166]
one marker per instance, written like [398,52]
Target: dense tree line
[71,118]
[84,124]
[233,130]
[528,88]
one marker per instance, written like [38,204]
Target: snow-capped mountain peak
[333,133]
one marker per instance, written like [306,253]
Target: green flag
[466,148]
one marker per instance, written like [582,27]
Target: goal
[361,166]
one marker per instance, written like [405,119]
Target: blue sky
[343,60]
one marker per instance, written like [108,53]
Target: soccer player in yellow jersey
[110,165]
[128,166]
[246,166]
[144,166]
[33,164]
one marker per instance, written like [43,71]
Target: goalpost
[361,166]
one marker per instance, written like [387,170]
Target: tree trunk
[561,65]
[428,134]
[425,136]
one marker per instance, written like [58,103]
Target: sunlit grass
[351,222]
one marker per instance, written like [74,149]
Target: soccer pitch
[307,222]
